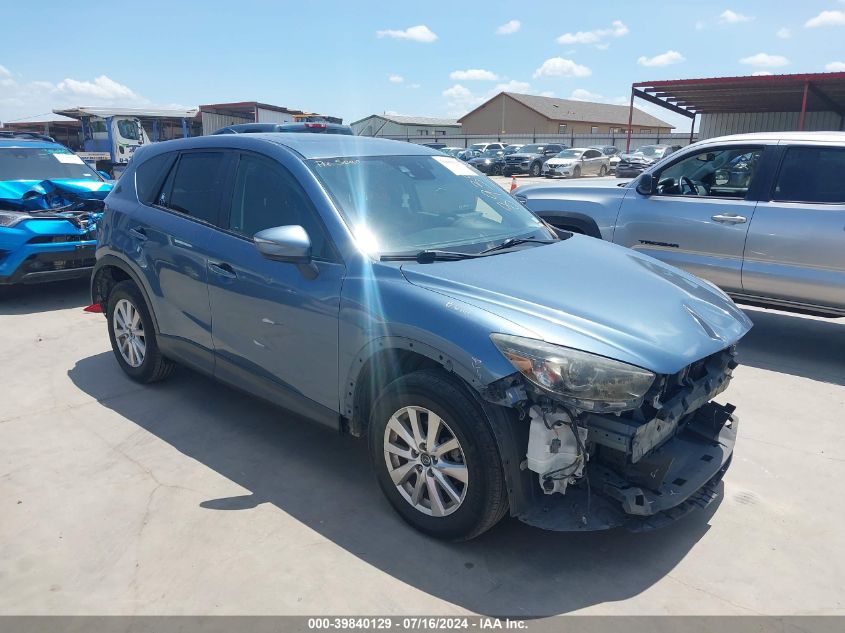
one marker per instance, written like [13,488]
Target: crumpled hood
[56,195]
[595,296]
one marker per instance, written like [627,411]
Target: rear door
[796,243]
[699,216]
[592,161]
[167,238]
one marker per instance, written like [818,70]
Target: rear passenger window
[812,174]
[195,186]
[150,174]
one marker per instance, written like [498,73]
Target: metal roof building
[417,127]
[217,115]
[515,113]
[767,103]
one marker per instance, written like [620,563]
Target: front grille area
[58,239]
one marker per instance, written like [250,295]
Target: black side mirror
[647,184]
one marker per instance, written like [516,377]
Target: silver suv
[760,215]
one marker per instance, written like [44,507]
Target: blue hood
[598,297]
[56,195]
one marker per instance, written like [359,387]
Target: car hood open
[594,296]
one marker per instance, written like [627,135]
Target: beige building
[513,113]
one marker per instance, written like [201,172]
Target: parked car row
[388,291]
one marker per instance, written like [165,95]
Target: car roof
[824,137]
[306,145]
[23,142]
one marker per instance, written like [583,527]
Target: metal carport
[802,93]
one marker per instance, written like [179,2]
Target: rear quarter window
[150,175]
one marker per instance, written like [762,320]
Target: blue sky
[352,59]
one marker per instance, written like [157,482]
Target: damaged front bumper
[676,478]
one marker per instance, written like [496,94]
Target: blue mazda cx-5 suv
[387,291]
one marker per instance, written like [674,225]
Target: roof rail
[33,136]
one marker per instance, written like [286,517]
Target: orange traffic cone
[513,183]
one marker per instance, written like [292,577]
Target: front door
[275,324]
[698,217]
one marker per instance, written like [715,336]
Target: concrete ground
[191,498]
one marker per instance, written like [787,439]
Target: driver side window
[717,173]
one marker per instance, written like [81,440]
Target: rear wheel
[435,457]
[133,337]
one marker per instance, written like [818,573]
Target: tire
[483,496]
[534,170]
[576,172]
[603,170]
[152,366]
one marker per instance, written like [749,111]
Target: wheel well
[378,371]
[107,278]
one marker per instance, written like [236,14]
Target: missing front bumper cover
[689,467]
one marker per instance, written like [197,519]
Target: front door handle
[729,218]
[223,270]
[138,233]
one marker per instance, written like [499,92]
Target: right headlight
[10,218]
[587,381]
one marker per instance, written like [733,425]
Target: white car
[575,162]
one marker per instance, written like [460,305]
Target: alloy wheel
[425,461]
[129,333]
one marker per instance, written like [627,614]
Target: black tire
[154,366]
[576,173]
[603,170]
[485,501]
[535,170]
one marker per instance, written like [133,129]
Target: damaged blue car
[50,205]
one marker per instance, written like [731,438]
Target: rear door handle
[138,233]
[223,270]
[729,218]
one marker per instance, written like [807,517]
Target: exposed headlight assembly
[10,218]
[587,381]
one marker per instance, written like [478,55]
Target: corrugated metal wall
[271,116]
[212,122]
[744,122]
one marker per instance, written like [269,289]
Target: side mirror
[284,244]
[647,184]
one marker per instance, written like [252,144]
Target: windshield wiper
[515,241]
[428,257]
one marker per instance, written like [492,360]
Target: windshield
[512,149]
[405,204]
[532,149]
[570,153]
[652,151]
[479,146]
[128,129]
[43,163]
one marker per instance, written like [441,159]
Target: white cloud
[764,60]
[700,26]
[784,33]
[513,86]
[835,67]
[617,29]
[420,33]
[460,99]
[395,79]
[414,86]
[732,17]
[664,59]
[827,18]
[582,94]
[101,88]
[4,72]
[473,74]
[512,26]
[547,93]
[560,67]
[761,73]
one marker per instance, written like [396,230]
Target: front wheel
[576,173]
[535,170]
[603,170]
[436,458]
